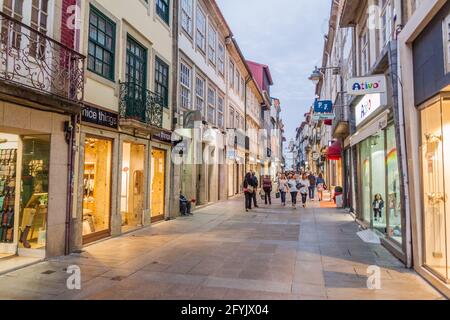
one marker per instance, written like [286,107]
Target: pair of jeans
[304,198]
[312,190]
[267,197]
[248,200]
[294,197]
[283,197]
[255,204]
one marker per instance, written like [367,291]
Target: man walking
[312,186]
[255,186]
[267,188]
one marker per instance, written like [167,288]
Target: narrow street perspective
[224,253]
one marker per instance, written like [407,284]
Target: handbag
[250,189]
[278,195]
[299,186]
[263,195]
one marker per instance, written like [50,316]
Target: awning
[335,151]
[328,122]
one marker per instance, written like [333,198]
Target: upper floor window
[385,23]
[364,46]
[101,45]
[201,30]
[185,85]
[231,75]
[220,111]
[163,9]
[211,114]
[242,88]
[186,16]
[231,118]
[221,59]
[237,82]
[446,31]
[162,80]
[200,94]
[212,44]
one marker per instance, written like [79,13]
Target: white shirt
[305,187]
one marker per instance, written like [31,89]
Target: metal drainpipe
[247,81]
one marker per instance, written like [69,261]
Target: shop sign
[100,117]
[323,106]
[367,106]
[315,156]
[366,85]
[163,136]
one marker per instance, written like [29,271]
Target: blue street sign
[324,106]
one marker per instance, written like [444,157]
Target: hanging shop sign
[315,156]
[367,85]
[323,106]
[100,117]
[163,136]
[367,106]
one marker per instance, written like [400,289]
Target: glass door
[366,181]
[158,167]
[377,149]
[434,195]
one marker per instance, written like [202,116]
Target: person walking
[293,183]
[283,187]
[305,187]
[320,184]
[267,188]
[312,186]
[255,187]
[248,191]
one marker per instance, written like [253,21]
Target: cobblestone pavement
[224,253]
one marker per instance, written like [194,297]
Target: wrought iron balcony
[33,60]
[341,127]
[138,104]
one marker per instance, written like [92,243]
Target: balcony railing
[32,59]
[140,104]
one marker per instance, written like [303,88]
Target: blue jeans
[312,190]
[283,197]
[294,197]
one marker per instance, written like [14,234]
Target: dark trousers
[267,197]
[254,198]
[294,197]
[312,190]
[304,198]
[378,213]
[283,197]
[248,200]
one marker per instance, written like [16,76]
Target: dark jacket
[267,184]
[381,205]
[254,182]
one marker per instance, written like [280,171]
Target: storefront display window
[435,139]
[377,148]
[158,173]
[97,189]
[366,180]
[393,203]
[132,187]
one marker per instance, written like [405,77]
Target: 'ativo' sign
[366,85]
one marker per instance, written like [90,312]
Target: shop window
[132,187]
[97,189]
[435,136]
[393,203]
[158,173]
[377,149]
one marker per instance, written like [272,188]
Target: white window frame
[365,51]
[201,29]
[186,16]
[221,58]
[220,111]
[200,90]
[212,100]
[185,85]
[231,115]
[231,78]
[212,44]
[446,34]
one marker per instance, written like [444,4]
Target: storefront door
[436,179]
[132,186]
[24,182]
[158,172]
[97,189]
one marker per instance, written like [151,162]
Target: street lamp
[318,73]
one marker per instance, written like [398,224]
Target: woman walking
[293,189]
[320,186]
[304,183]
[248,191]
[267,188]
[283,187]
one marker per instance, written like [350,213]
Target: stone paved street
[224,253]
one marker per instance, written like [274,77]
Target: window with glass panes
[220,110]
[186,16]
[446,30]
[237,82]
[385,22]
[200,94]
[14,9]
[201,30]
[364,46]
[231,118]
[163,9]
[221,59]
[185,85]
[162,80]
[212,43]
[211,113]
[101,44]
[231,74]
[39,19]
[242,88]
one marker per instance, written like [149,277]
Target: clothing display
[8,162]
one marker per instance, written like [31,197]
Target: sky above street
[287,35]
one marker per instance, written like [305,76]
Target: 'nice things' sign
[366,85]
